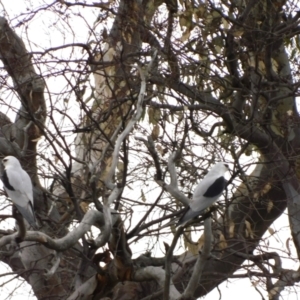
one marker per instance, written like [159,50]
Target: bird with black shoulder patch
[207,192]
[18,187]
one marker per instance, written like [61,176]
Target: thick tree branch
[92,217]
[201,260]
[172,188]
[137,115]
[169,258]
[157,274]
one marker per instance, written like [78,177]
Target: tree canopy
[117,109]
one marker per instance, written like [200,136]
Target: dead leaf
[266,188]
[160,150]
[238,32]
[84,206]
[154,115]
[222,242]
[270,205]
[155,132]
[201,242]
[167,247]
[255,283]
[143,197]
[248,230]
[188,243]
[231,228]
[287,244]
[255,197]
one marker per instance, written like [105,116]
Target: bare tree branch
[157,274]
[92,217]
[201,260]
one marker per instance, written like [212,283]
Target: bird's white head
[219,168]
[10,161]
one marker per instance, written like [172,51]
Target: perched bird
[206,193]
[18,186]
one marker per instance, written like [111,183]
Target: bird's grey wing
[24,206]
[18,181]
[26,185]
[22,183]
[19,189]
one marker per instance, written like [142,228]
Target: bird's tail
[188,215]
[28,215]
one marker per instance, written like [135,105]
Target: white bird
[18,187]
[206,193]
